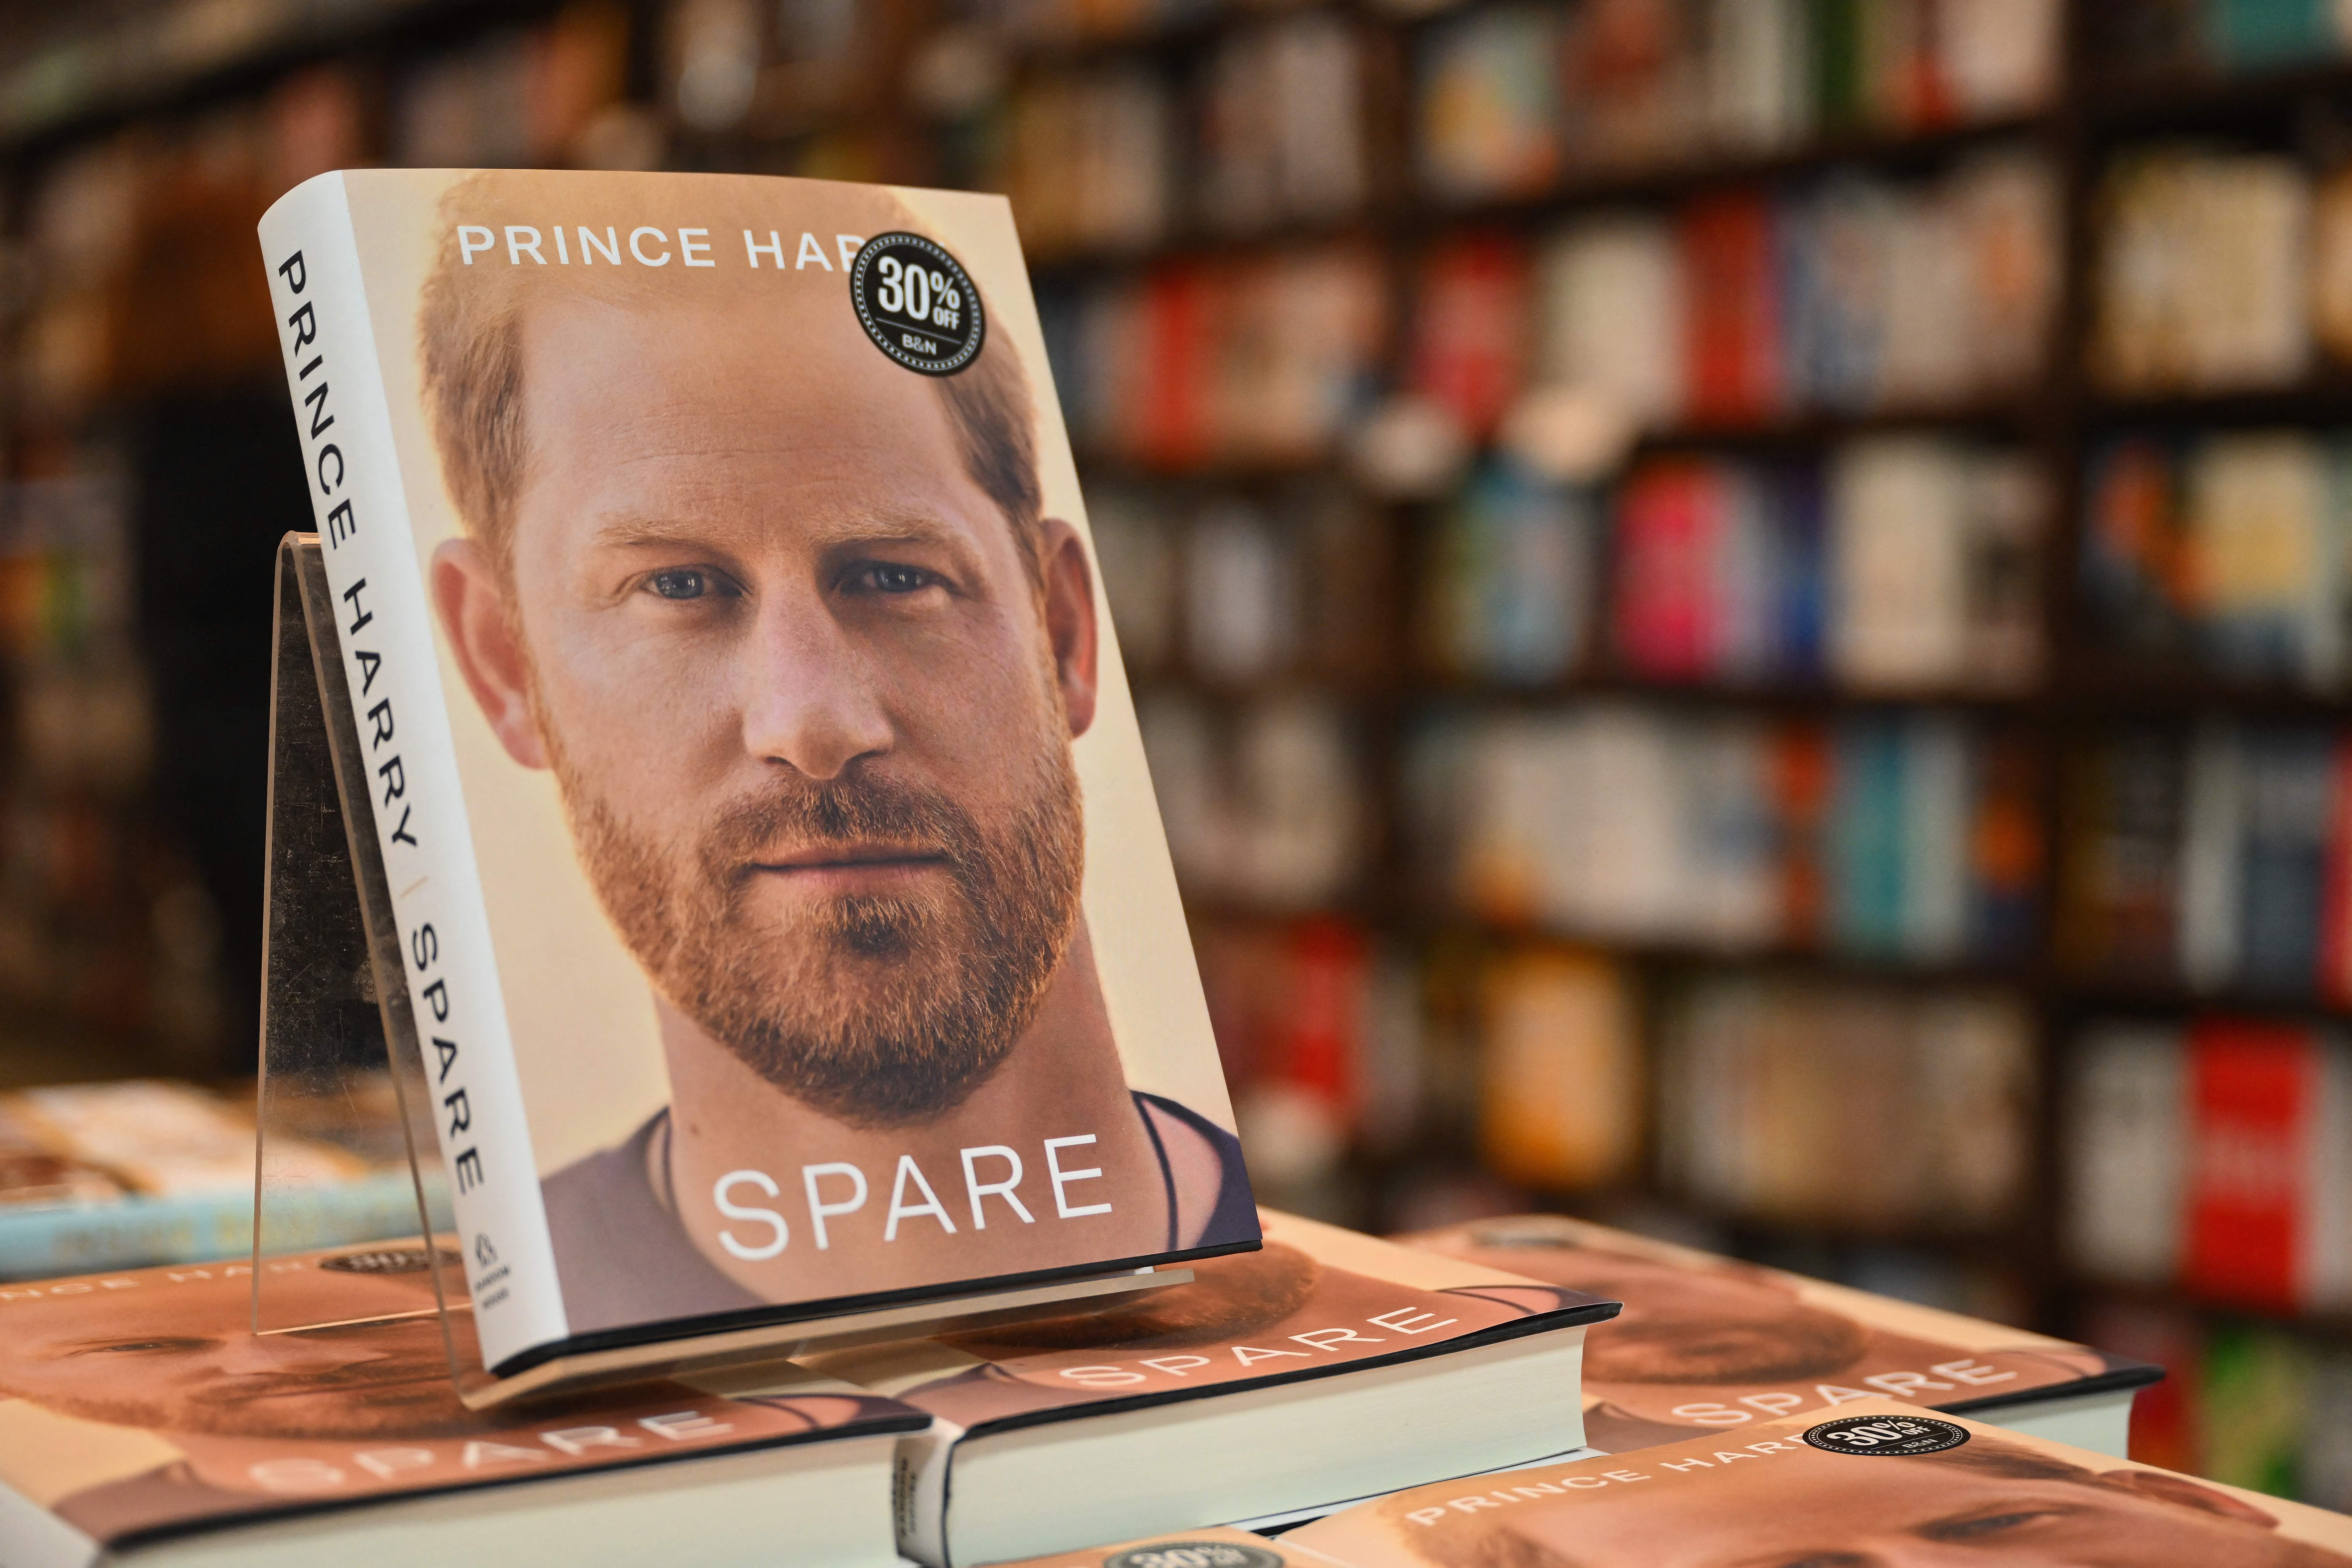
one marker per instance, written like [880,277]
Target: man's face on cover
[808,705]
[182,1358]
[1828,1511]
[1690,1325]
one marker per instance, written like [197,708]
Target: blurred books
[1512,100]
[1907,838]
[2220,861]
[2216,1155]
[147,1171]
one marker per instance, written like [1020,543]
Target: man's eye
[1986,1524]
[883,577]
[133,1347]
[681,583]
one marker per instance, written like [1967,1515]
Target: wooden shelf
[2089,1289]
[1406,215]
[393,27]
[2325,398]
[1426,691]
[2206,100]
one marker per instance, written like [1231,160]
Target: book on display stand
[703,757]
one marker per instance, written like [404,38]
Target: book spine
[918,1492]
[2254,1099]
[2326,1282]
[344,423]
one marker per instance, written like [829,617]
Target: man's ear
[1070,619]
[472,604]
[2164,1487]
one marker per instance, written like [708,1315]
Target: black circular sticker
[1194,1554]
[389,1260]
[1886,1434]
[916,302]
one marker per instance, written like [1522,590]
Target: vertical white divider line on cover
[346,428]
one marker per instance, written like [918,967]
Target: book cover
[138,1404]
[2127,1115]
[1707,1343]
[2264,1210]
[1732,332]
[788,916]
[1315,1299]
[1882,1482]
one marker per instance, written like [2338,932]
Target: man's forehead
[732,407]
[795,341]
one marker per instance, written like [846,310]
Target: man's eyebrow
[628,530]
[625,531]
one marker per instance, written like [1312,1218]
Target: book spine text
[343,418]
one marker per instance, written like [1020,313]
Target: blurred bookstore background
[1742,608]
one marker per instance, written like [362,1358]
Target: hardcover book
[141,1420]
[1878,1482]
[1325,1367]
[1710,1344]
[789,925]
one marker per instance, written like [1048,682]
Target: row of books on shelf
[118,231]
[2213,858]
[2217,1156]
[1513,99]
[1256,361]
[1850,293]
[1897,562]
[2225,553]
[1909,837]
[1848,1105]
[1894,563]
[1737,309]
[1845,1106]
[1273,120]
[1234,586]
[2219,270]
[2213,1157]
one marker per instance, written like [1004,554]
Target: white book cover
[790,923]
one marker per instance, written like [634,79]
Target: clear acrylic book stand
[336,1017]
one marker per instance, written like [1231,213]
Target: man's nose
[811,698]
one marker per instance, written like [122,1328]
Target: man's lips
[850,861]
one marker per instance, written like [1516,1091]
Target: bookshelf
[932,91]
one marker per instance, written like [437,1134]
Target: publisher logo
[1195,1554]
[1886,1434]
[917,303]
